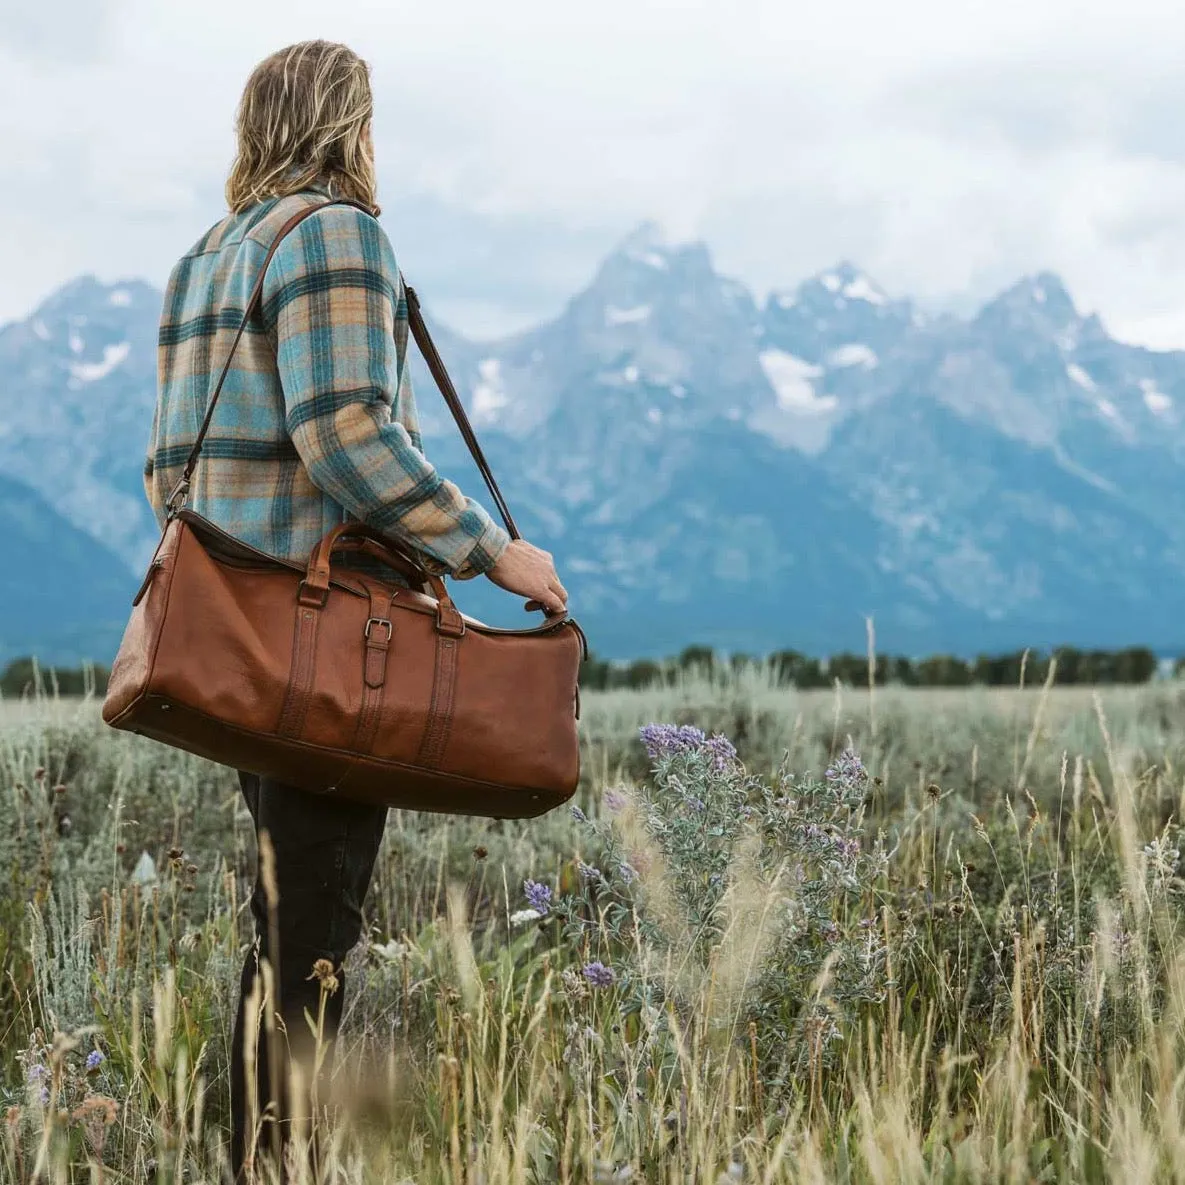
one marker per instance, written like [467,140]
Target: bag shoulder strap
[423,339]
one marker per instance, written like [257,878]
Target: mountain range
[706,467]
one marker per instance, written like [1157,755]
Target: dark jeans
[325,849]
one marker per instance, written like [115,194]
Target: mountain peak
[838,285]
[1042,296]
[88,294]
[652,246]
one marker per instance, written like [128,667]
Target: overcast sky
[946,146]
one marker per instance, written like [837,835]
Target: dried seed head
[323,973]
[480,852]
[176,853]
[39,774]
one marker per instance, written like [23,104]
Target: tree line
[789,668]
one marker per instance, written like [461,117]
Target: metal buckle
[379,621]
[178,497]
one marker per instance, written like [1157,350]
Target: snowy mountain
[748,474]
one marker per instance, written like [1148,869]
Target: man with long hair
[316,425]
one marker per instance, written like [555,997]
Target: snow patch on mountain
[616,316]
[790,377]
[90,372]
[489,395]
[862,288]
[649,258]
[853,354]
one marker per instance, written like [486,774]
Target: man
[316,425]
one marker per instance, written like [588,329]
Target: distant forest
[791,669]
[788,668]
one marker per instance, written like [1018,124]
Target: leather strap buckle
[312,596]
[449,621]
[177,498]
[373,621]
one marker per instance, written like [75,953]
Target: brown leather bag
[338,681]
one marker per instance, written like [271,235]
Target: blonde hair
[301,119]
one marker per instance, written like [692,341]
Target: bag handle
[423,339]
[314,588]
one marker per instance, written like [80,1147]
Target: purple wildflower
[848,769]
[36,1073]
[578,814]
[538,896]
[615,800]
[588,871]
[665,740]
[849,849]
[94,1060]
[696,804]
[628,873]
[721,750]
[599,975]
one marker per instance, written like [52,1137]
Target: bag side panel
[226,642]
[510,715]
[131,671]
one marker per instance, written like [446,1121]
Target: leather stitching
[440,713]
[304,651]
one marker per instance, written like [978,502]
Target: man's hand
[527,571]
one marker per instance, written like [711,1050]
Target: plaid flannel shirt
[316,424]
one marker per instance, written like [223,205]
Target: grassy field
[955,957]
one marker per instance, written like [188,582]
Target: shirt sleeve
[331,297]
[149,470]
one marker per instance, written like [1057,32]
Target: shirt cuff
[489,548]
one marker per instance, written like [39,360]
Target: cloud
[946,148]
[57,31]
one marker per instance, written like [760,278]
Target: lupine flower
[36,1073]
[599,975]
[578,814]
[847,768]
[628,873]
[664,740]
[588,871]
[615,800]
[94,1060]
[721,750]
[538,896]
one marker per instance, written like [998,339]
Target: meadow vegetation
[782,936]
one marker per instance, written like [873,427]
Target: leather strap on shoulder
[423,340]
[445,384]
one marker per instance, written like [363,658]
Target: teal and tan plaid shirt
[316,423]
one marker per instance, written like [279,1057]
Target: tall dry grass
[1029,1022]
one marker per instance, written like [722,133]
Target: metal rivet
[165,707]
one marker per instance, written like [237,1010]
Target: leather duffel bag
[338,680]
